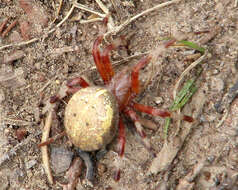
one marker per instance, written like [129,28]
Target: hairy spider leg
[106,61]
[139,129]
[157,112]
[121,148]
[135,83]
[98,60]
[76,84]
[78,81]
[72,86]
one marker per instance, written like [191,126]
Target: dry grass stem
[102,6]
[90,20]
[185,72]
[83,7]
[58,11]
[226,111]
[117,29]
[44,149]
[17,122]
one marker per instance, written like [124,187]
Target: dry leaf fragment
[8,58]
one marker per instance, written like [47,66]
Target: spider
[94,114]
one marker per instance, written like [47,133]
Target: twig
[110,24]
[58,11]
[73,174]
[102,6]
[9,28]
[223,118]
[3,24]
[117,29]
[91,20]
[83,7]
[17,122]
[44,149]
[65,18]
[20,44]
[236,3]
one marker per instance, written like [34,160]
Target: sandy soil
[201,156]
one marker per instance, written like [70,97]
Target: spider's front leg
[102,60]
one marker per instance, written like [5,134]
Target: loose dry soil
[37,71]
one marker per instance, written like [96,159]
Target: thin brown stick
[3,25]
[11,26]
[44,149]
[58,11]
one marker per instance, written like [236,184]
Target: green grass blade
[182,93]
[186,98]
[181,99]
[193,46]
[166,127]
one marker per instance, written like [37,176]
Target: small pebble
[217,84]
[158,100]
[60,159]
[30,164]
[2,96]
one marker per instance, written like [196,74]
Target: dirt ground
[201,156]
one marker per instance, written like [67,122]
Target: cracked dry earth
[200,156]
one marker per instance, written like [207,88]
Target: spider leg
[70,87]
[157,112]
[102,61]
[121,148]
[135,83]
[76,84]
[139,129]
[98,60]
[107,63]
